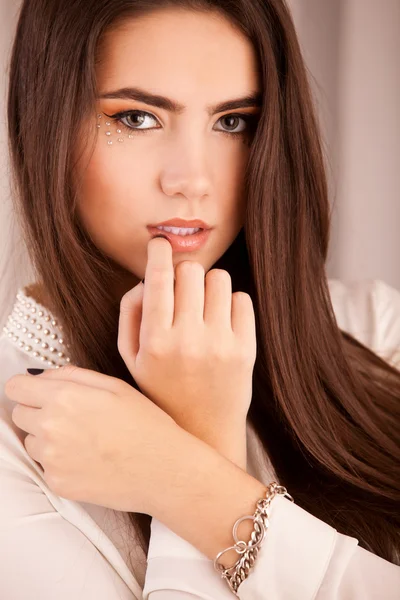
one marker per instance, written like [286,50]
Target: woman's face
[186,164]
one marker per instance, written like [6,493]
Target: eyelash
[249,119]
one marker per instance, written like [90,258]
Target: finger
[26,418]
[33,446]
[243,318]
[36,391]
[158,298]
[130,318]
[29,391]
[218,299]
[189,294]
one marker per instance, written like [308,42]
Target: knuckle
[69,370]
[47,426]
[221,352]
[189,352]
[160,275]
[243,298]
[155,347]
[62,398]
[125,304]
[189,266]
[218,275]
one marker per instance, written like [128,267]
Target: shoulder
[369,310]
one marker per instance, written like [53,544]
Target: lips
[183,243]
[182,223]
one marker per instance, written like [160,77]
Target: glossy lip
[180,243]
[183,223]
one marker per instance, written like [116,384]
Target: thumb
[130,319]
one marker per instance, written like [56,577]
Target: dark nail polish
[35,371]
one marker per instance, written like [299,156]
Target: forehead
[178,52]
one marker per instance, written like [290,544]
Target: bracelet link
[238,572]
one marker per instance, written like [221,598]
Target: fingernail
[160,235]
[35,371]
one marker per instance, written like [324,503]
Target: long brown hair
[325,407]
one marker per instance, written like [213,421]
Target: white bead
[16,322]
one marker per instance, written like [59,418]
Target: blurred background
[351,49]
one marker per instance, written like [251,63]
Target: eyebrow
[135,93]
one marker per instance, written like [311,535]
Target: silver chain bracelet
[238,572]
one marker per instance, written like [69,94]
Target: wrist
[201,482]
[229,441]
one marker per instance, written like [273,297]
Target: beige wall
[351,48]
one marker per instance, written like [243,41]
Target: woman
[187,399]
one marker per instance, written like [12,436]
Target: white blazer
[53,548]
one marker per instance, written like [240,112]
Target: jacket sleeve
[44,556]
[302,558]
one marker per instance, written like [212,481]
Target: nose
[187,168]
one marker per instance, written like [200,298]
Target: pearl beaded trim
[34,330]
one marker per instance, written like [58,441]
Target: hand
[191,349]
[97,438]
